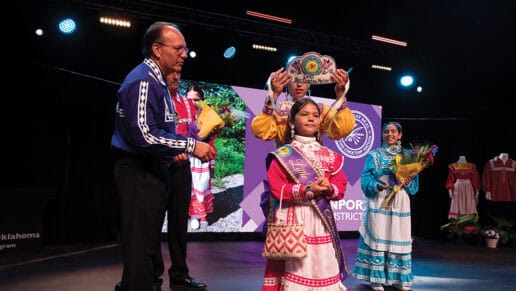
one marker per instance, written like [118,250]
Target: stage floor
[238,265]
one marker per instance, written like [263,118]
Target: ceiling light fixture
[115,21]
[388,40]
[264,48]
[383,68]
[269,17]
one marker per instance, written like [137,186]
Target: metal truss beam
[148,9]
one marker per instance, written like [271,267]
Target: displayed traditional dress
[464,182]
[499,178]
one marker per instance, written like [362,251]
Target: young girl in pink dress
[307,176]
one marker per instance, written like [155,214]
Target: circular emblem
[360,141]
[284,151]
[311,65]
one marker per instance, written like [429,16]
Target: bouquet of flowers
[219,116]
[407,165]
[207,120]
[230,115]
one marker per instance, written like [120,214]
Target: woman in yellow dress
[336,121]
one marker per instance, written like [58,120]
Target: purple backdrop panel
[254,163]
[365,136]
[355,147]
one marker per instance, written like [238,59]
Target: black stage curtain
[59,131]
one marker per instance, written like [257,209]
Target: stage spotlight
[39,32]
[406,80]
[67,26]
[192,54]
[419,89]
[230,52]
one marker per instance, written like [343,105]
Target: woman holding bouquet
[307,176]
[385,245]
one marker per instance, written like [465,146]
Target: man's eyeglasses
[179,49]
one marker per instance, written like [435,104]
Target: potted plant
[492,236]
[463,228]
[503,230]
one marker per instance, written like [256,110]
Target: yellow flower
[407,165]
[207,120]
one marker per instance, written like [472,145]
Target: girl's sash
[303,172]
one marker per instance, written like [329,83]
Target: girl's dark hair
[296,107]
[396,124]
[196,88]
[152,35]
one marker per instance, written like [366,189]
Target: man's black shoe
[155,287]
[189,283]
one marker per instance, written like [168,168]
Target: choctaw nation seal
[360,141]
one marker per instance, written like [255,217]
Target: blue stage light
[289,59]
[230,52]
[67,26]
[406,80]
